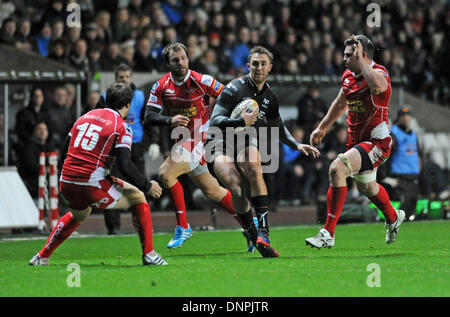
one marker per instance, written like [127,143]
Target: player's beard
[180,72]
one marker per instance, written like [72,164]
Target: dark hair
[122,68]
[366,43]
[173,47]
[118,95]
[260,50]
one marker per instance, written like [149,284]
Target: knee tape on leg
[347,163]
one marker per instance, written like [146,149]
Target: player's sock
[176,194]
[381,200]
[249,225]
[55,214]
[142,222]
[63,229]
[335,202]
[227,204]
[261,205]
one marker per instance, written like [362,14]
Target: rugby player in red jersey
[365,92]
[94,142]
[179,99]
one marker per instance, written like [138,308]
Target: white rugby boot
[321,240]
[392,229]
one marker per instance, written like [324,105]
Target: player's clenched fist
[180,120]
[155,191]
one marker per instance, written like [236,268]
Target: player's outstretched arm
[337,109]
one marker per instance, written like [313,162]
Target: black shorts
[229,146]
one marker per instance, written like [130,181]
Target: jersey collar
[179,83]
[252,84]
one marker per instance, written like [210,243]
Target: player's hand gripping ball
[247,105]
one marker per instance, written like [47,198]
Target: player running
[181,95]
[236,164]
[93,143]
[365,92]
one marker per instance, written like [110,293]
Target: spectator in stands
[28,165]
[92,102]
[271,43]
[239,54]
[72,36]
[91,35]
[111,58]
[43,39]
[57,29]
[78,57]
[288,48]
[235,8]
[311,108]
[59,118]
[8,31]
[216,25]
[103,23]
[173,11]
[143,61]
[24,40]
[403,164]
[121,30]
[223,58]
[188,25]
[57,51]
[127,52]
[27,118]
[55,10]
[94,54]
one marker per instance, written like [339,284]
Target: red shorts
[377,150]
[80,196]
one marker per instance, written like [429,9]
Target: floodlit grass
[215,264]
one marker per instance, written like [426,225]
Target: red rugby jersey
[186,98]
[93,138]
[367,113]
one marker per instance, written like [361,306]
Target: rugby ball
[247,105]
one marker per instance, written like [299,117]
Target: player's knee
[235,189]
[338,170]
[253,170]
[80,216]
[164,177]
[368,189]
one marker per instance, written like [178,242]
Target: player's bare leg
[212,189]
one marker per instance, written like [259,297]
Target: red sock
[142,222]
[63,229]
[335,202]
[381,200]
[176,194]
[227,204]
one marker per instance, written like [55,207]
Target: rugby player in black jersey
[242,164]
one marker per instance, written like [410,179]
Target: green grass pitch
[215,264]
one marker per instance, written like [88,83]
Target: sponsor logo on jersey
[155,86]
[188,112]
[356,106]
[207,80]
